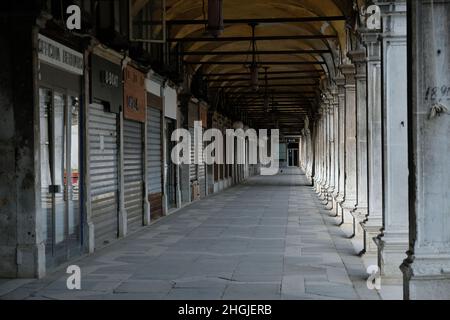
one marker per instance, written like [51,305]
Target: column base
[330,193]
[358,239]
[426,278]
[372,230]
[391,254]
[338,201]
[31,261]
[347,220]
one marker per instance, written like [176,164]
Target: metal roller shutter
[154,161]
[202,179]
[192,166]
[133,173]
[104,167]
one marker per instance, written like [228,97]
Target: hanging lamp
[266,92]
[215,17]
[254,65]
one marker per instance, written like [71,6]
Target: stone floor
[269,238]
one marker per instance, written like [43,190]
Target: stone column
[349,204]
[331,143]
[358,57]
[373,221]
[340,197]
[336,142]
[325,153]
[319,163]
[309,150]
[427,269]
[393,240]
[22,246]
[315,144]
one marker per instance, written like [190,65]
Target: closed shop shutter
[202,176]
[104,168]
[133,173]
[192,166]
[154,161]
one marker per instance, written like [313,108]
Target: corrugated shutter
[192,166]
[133,173]
[104,167]
[154,151]
[202,176]
[154,161]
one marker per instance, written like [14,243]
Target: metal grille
[133,173]
[154,162]
[104,167]
[202,176]
[192,166]
[154,152]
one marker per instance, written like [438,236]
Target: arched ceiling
[298,40]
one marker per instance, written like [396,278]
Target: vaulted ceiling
[299,41]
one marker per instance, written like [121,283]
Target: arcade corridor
[280,243]
[138,139]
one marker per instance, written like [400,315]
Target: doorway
[60,174]
[293,157]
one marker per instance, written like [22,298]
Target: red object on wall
[134,95]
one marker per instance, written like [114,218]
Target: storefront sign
[106,83]
[60,56]
[134,95]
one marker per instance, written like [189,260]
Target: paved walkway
[267,239]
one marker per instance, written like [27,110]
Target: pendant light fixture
[254,65]
[215,17]
[266,91]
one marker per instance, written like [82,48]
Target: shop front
[61,183]
[134,117]
[104,147]
[154,149]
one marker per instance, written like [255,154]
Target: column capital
[340,83]
[372,42]
[359,59]
[349,72]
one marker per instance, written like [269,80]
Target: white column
[393,241]
[427,270]
[340,82]
[336,144]
[319,160]
[331,143]
[358,57]
[350,197]
[373,222]
[325,153]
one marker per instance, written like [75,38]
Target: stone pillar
[358,57]
[22,248]
[318,178]
[427,268]
[373,221]
[309,150]
[331,143]
[340,197]
[393,240]
[336,143]
[325,153]
[350,191]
